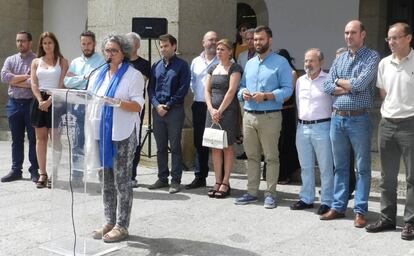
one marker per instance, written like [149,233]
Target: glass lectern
[76,203]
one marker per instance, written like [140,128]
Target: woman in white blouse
[47,72]
[122,87]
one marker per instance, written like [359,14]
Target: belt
[349,112]
[398,120]
[21,100]
[259,112]
[314,121]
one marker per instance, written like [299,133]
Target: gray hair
[133,37]
[318,52]
[250,30]
[121,40]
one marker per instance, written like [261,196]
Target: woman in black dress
[221,87]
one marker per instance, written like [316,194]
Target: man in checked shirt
[351,81]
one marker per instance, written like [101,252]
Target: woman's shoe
[223,194]
[49,183]
[117,234]
[212,192]
[42,181]
[99,233]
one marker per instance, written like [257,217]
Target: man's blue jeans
[355,131]
[313,140]
[18,114]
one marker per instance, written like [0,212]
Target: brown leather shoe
[359,221]
[332,214]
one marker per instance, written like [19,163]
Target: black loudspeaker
[149,28]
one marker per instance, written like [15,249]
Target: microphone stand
[93,71]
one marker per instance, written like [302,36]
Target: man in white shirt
[312,135]
[395,133]
[199,67]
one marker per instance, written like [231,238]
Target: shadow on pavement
[174,246]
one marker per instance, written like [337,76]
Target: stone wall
[188,20]
[373,13]
[16,15]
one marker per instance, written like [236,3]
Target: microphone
[93,71]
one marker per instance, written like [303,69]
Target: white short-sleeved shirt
[397,79]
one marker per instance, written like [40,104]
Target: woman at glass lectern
[122,88]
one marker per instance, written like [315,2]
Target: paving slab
[190,223]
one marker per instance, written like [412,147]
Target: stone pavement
[190,223]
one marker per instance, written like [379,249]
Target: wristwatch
[264,97]
[336,81]
[166,108]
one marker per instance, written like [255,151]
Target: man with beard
[199,67]
[168,85]
[312,135]
[351,81]
[16,73]
[77,78]
[266,83]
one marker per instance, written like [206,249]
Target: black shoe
[196,183]
[12,176]
[323,209]
[34,176]
[300,205]
[159,184]
[242,156]
[379,226]
[407,233]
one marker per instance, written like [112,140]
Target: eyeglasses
[394,38]
[112,51]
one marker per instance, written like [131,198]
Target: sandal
[223,194]
[117,234]
[42,183]
[49,183]
[212,192]
[99,233]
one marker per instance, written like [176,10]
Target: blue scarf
[106,148]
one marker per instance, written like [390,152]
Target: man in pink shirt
[312,135]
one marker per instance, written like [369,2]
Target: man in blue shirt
[266,83]
[351,81]
[169,83]
[77,78]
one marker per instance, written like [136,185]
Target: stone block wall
[16,15]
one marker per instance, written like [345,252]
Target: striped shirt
[361,71]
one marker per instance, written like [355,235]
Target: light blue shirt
[199,67]
[81,67]
[272,74]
